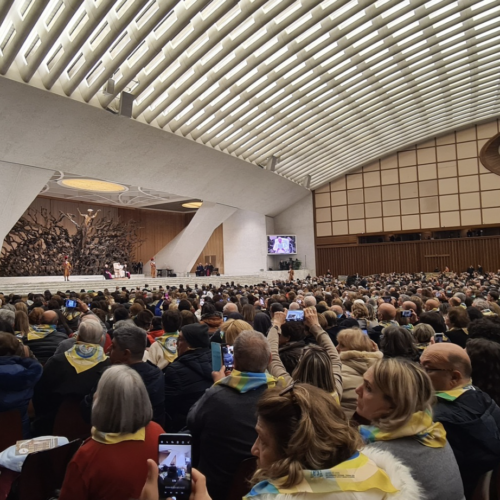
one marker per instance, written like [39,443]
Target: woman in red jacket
[111,465]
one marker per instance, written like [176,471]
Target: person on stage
[291,274]
[207,269]
[152,263]
[67,268]
[126,271]
[107,273]
[200,270]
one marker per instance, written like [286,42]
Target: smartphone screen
[295,316]
[71,303]
[261,302]
[387,299]
[216,356]
[406,314]
[174,466]
[202,301]
[438,337]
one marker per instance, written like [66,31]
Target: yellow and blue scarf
[118,437]
[168,343]
[454,393]
[37,332]
[358,473]
[421,427]
[83,357]
[249,381]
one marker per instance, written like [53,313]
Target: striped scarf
[249,381]
[454,393]
[168,343]
[420,426]
[83,357]
[358,473]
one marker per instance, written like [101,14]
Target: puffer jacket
[18,377]
[354,366]
[44,348]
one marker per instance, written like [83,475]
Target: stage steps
[38,284]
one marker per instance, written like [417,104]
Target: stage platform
[38,284]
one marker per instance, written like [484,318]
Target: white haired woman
[111,465]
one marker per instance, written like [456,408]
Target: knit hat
[196,335]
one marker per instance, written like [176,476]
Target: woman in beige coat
[357,353]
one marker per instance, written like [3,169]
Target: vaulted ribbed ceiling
[323,86]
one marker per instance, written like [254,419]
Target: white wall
[245,243]
[298,219]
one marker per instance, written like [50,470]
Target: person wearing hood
[129,344]
[18,376]
[189,376]
[357,353]
[164,350]
[43,339]
[156,329]
[211,317]
[471,418]
[69,375]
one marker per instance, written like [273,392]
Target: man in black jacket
[470,417]
[129,344]
[223,421]
[188,376]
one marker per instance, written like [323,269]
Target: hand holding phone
[174,466]
[71,303]
[406,314]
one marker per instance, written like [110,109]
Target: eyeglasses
[428,370]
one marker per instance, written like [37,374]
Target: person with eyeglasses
[471,418]
[396,398]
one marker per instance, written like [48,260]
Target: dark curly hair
[485,328]
[398,342]
[485,359]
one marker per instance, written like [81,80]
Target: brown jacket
[354,365]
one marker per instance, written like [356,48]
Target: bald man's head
[386,312]
[337,310]
[409,306]
[431,304]
[448,366]
[49,318]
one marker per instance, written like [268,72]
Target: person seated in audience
[432,305]
[397,341]
[291,344]
[144,319]
[189,376]
[386,314]
[21,324]
[357,354]
[18,376]
[111,465]
[457,322]
[229,331]
[8,316]
[471,418]
[319,365]
[423,335]
[306,449]
[211,317]
[396,397]
[222,422]
[262,323]
[436,321]
[69,375]
[127,348]
[43,337]
[484,356]
[483,306]
[164,350]
[359,312]
[156,329]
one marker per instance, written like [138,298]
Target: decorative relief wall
[436,184]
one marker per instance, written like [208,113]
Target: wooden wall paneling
[214,247]
[416,256]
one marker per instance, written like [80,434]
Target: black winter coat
[45,348]
[472,424]
[186,380]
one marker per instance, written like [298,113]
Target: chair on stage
[118,270]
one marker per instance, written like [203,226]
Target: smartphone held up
[174,466]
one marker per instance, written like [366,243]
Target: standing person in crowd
[164,350]
[188,376]
[396,397]
[399,342]
[127,348]
[222,422]
[357,354]
[18,376]
[111,465]
[471,418]
[457,322]
[69,375]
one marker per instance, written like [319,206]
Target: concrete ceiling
[325,86]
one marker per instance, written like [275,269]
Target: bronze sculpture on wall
[38,243]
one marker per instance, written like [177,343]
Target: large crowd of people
[385,387]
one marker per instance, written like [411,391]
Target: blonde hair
[315,368]
[21,306]
[359,311]
[353,339]
[406,386]
[233,328]
[323,322]
[310,431]
[21,323]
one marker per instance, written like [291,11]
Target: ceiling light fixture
[193,204]
[93,185]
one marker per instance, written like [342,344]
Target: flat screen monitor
[278,244]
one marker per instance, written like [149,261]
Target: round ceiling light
[193,204]
[93,185]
